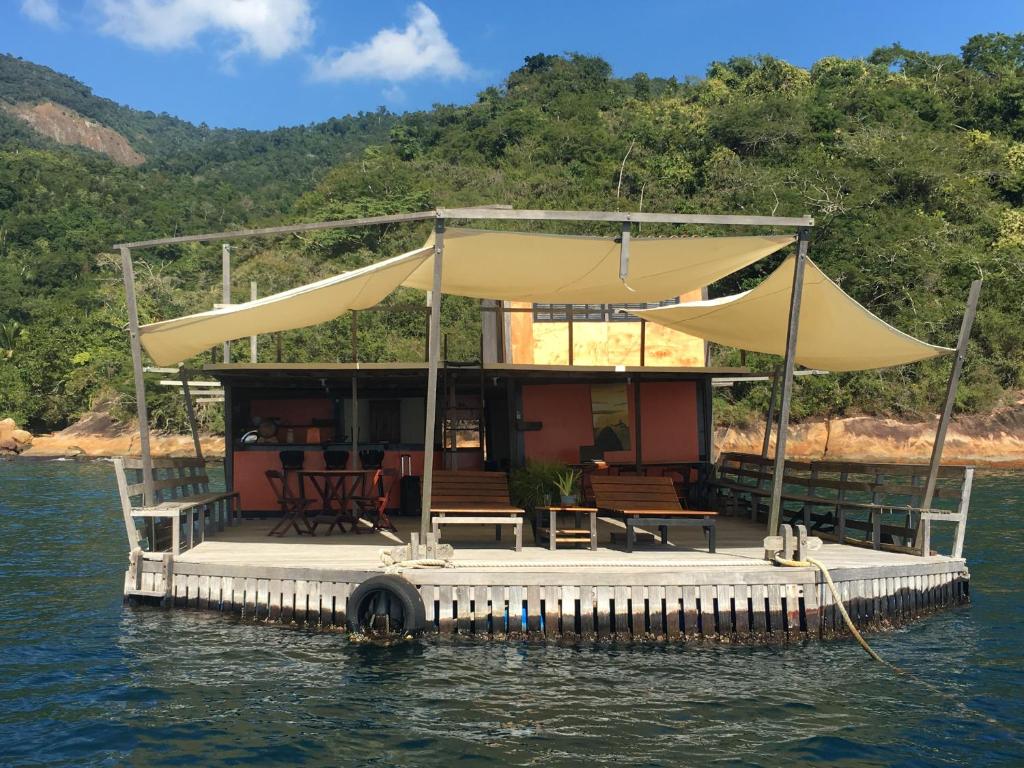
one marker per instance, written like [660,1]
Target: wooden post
[190,412]
[770,418]
[570,314]
[355,423]
[775,511]
[253,349]
[433,353]
[947,410]
[355,336]
[638,454]
[225,272]
[128,273]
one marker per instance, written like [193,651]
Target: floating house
[417,496]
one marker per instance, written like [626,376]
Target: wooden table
[336,485]
[575,535]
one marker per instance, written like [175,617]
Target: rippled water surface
[86,681]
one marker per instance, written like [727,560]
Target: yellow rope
[811,562]
[964,708]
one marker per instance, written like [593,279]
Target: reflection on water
[85,681]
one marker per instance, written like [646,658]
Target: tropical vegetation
[911,163]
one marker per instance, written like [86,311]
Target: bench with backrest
[474,498]
[650,501]
[182,496]
[841,500]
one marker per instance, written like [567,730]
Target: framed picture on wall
[609,404]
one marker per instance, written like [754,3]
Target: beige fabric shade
[565,269]
[172,341]
[835,333]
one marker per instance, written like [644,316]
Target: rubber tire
[413,613]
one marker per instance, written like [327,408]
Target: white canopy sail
[510,266]
[171,341]
[568,269]
[836,333]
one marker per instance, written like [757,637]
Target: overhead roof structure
[509,266]
[835,333]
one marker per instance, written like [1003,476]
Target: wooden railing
[841,500]
[182,507]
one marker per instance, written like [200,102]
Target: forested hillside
[912,165]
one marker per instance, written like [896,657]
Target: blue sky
[264,63]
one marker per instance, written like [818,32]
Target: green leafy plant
[567,482]
[535,484]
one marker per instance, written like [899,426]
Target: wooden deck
[677,592]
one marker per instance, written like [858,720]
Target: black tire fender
[401,597]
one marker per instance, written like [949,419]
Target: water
[86,681]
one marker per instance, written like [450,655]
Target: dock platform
[679,592]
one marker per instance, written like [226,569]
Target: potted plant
[566,483]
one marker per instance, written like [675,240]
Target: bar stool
[293,506]
[335,459]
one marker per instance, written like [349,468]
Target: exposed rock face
[97,434]
[66,126]
[994,440]
[12,439]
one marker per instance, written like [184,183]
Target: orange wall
[668,426]
[257,496]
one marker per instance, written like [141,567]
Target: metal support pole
[254,356]
[770,418]
[356,464]
[128,272]
[355,335]
[947,410]
[225,271]
[190,412]
[775,511]
[433,352]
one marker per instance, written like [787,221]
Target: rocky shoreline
[991,440]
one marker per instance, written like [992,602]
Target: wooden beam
[789,363]
[366,221]
[770,417]
[621,216]
[128,273]
[947,410]
[190,412]
[355,422]
[433,353]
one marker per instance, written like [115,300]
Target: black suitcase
[409,487]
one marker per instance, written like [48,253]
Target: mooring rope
[810,562]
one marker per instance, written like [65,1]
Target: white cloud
[421,48]
[269,28]
[43,11]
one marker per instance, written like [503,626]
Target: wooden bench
[474,498]
[648,501]
[181,495]
[834,498]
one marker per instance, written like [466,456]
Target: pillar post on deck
[128,273]
[947,410]
[433,353]
[225,273]
[789,362]
[356,464]
[253,349]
